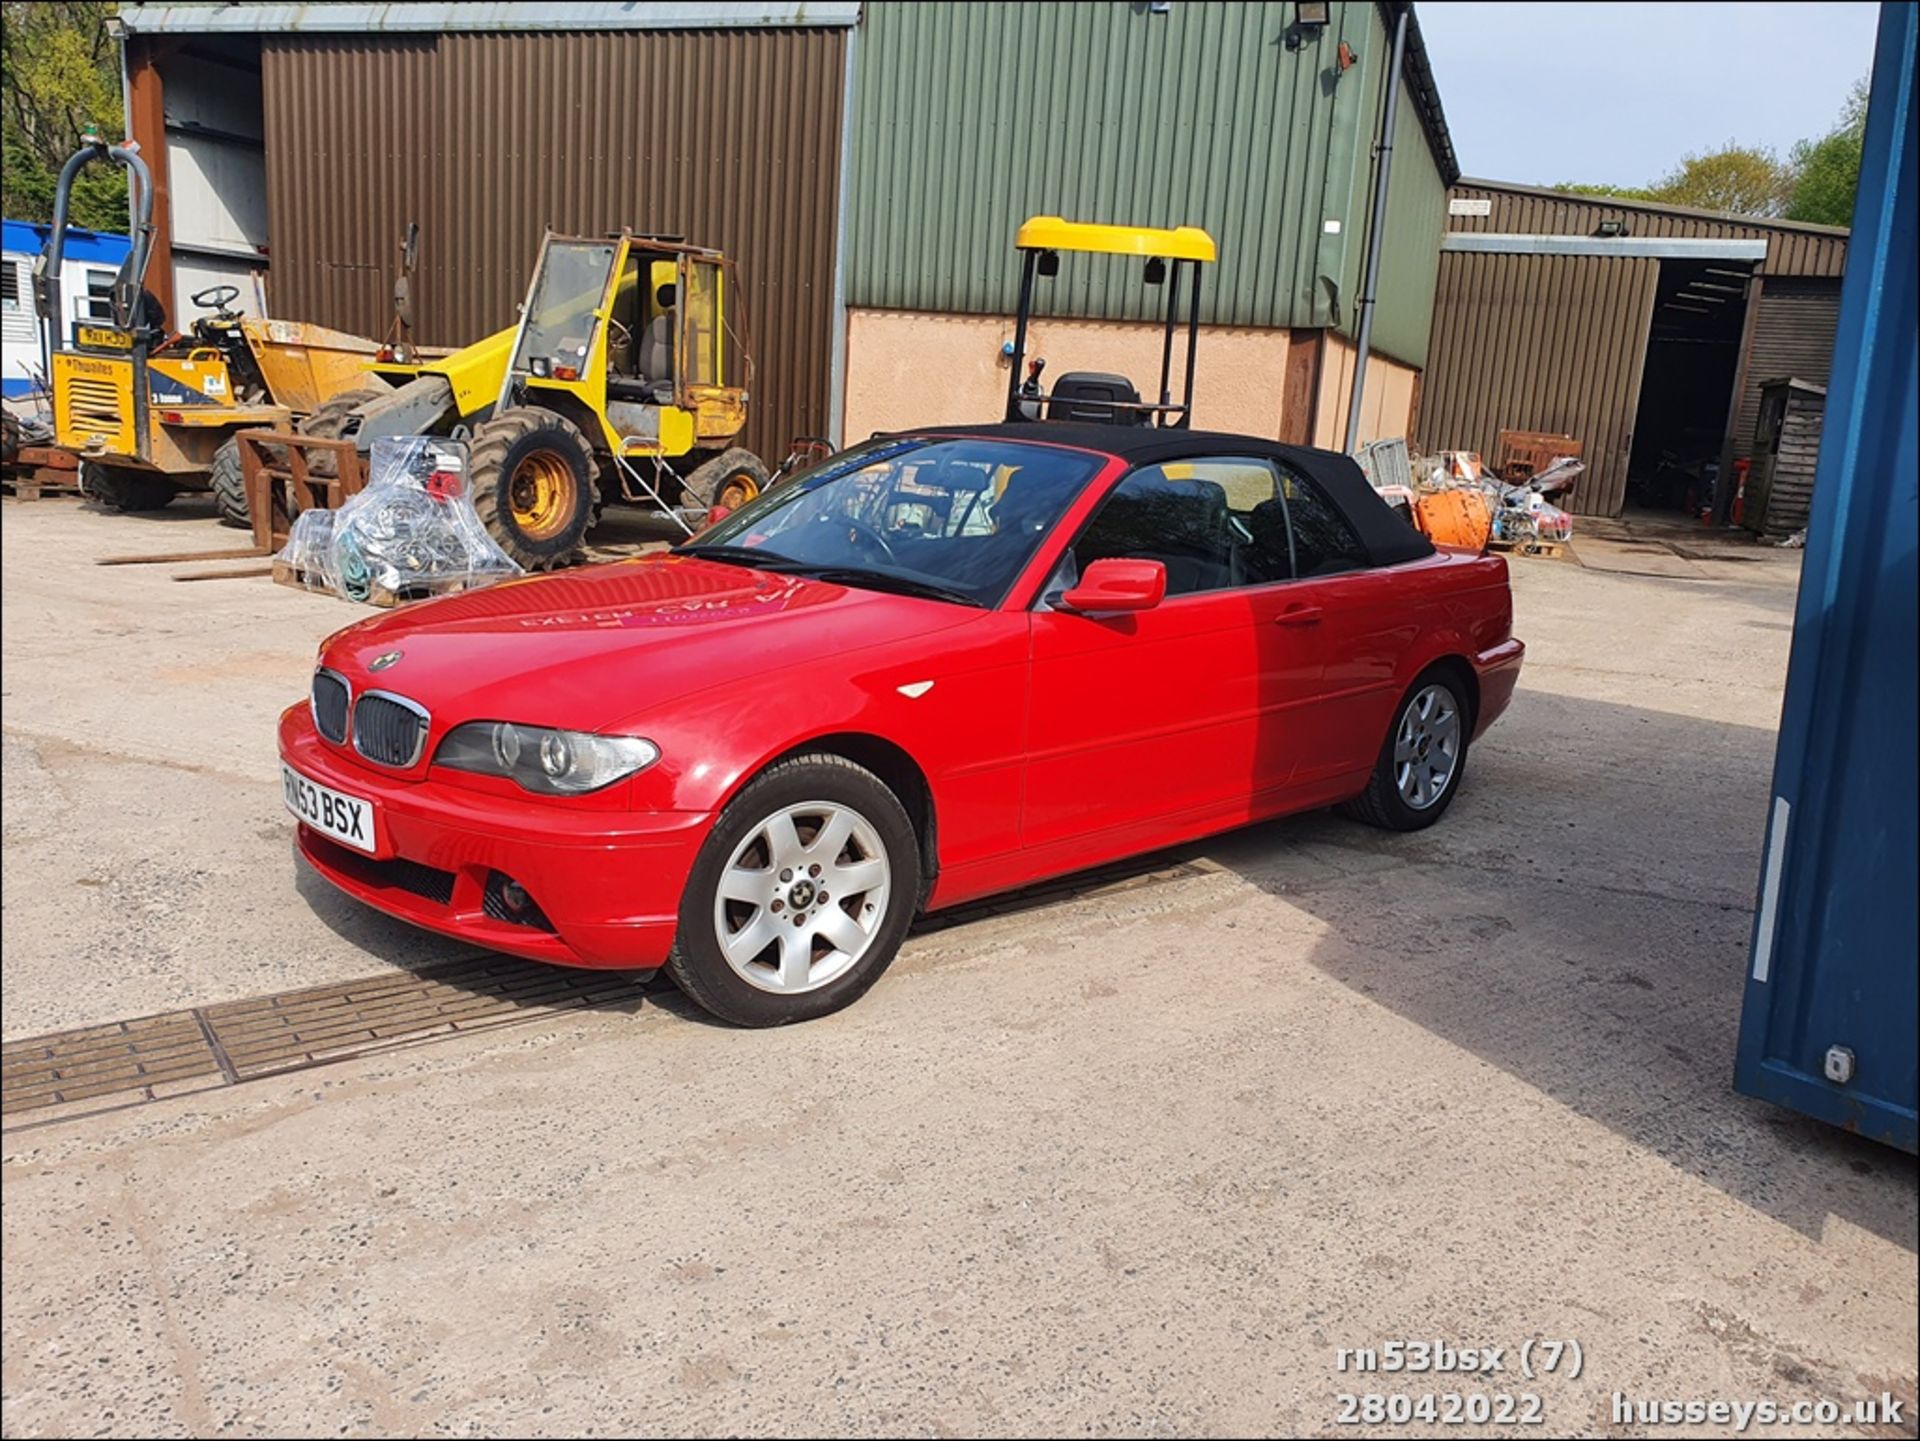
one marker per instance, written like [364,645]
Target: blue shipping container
[1829,1024]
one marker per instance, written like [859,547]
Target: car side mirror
[1117,586]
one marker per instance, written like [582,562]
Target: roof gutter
[360,19]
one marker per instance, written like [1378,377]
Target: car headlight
[552,762]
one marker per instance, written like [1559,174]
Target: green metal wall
[1416,220]
[969,118]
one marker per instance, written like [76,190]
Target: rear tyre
[115,488]
[1423,758]
[731,478]
[800,897]
[534,485]
[229,483]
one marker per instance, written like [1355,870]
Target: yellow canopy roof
[1050,232]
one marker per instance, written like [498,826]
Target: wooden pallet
[1545,549]
[286,573]
[39,471]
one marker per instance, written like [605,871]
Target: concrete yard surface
[1143,1159]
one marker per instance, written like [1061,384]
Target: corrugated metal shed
[1792,248]
[1541,342]
[969,118]
[1562,347]
[729,137]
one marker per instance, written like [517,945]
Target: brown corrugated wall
[1791,249]
[1531,342]
[1793,335]
[1541,342]
[730,138]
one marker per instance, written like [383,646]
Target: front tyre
[534,485]
[800,896]
[1423,758]
[117,488]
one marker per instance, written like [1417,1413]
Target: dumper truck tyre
[1424,757]
[115,488]
[533,478]
[10,452]
[229,482]
[731,478]
[328,419]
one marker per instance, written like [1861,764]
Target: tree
[60,77]
[1735,179]
[1623,192]
[1827,170]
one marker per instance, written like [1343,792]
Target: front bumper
[608,883]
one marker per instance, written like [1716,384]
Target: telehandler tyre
[533,478]
[731,478]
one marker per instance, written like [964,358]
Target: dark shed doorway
[1686,388]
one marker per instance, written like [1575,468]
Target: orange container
[1455,517]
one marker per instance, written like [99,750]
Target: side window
[99,301]
[1323,542]
[1214,523]
[10,287]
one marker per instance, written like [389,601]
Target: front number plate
[343,818]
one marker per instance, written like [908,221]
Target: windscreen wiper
[748,555]
[884,580]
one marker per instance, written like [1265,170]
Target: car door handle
[1298,615]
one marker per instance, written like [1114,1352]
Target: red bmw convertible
[938,665]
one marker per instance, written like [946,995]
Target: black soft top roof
[1388,538]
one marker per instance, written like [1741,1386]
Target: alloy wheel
[1426,747]
[802,897]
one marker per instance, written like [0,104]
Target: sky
[1544,93]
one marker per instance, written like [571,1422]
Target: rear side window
[1323,542]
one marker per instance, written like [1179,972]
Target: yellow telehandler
[622,382]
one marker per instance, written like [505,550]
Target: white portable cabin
[92,260]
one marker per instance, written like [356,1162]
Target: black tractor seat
[1095,397]
[635,391]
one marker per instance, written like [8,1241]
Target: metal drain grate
[103,1067]
[161,1055]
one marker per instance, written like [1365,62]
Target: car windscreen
[955,519]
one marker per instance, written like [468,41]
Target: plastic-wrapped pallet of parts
[411,533]
[307,558]
[1525,517]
